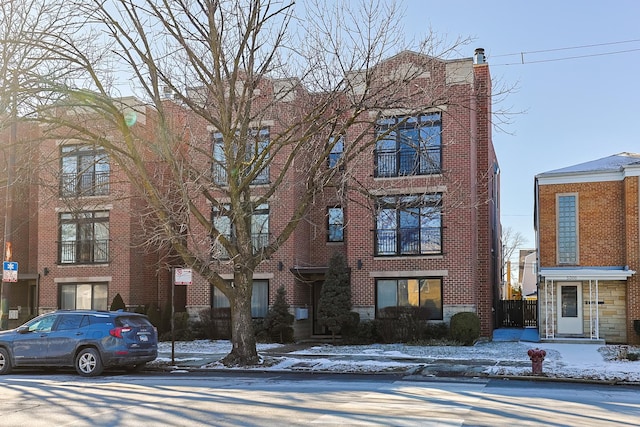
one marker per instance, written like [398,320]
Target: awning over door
[586,273]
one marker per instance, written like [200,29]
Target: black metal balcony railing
[401,163]
[84,184]
[219,173]
[409,241]
[258,240]
[83,252]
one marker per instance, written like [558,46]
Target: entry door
[570,308]
[317,329]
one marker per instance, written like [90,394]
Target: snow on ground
[587,361]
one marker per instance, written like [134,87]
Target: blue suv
[89,341]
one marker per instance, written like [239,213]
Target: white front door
[570,308]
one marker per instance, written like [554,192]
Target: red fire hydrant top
[537,357]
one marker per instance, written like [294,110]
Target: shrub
[436,331]
[205,327]
[279,321]
[359,333]
[334,307]
[465,327]
[401,324]
[155,317]
[117,303]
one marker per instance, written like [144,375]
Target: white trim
[413,273]
[581,177]
[256,276]
[561,274]
[81,280]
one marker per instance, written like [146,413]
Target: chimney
[478,56]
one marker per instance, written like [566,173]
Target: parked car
[89,341]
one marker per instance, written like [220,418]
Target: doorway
[570,308]
[317,329]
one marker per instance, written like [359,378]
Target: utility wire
[566,58]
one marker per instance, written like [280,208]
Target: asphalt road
[275,399]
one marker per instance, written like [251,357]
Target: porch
[583,305]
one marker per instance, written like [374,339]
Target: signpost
[179,276]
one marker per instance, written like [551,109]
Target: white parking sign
[183,276]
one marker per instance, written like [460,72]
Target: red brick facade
[608,241]
[468,183]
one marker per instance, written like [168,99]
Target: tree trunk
[243,339]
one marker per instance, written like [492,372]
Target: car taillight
[117,332]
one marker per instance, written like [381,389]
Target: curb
[407,375]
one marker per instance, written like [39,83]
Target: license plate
[143,338]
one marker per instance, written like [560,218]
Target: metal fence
[517,313]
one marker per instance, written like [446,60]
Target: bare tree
[210,77]
[512,241]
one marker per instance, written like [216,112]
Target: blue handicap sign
[10,266]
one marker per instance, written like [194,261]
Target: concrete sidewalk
[565,361]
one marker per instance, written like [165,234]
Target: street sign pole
[173,294]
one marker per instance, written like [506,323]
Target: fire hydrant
[537,357]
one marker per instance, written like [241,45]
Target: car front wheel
[5,361]
[88,362]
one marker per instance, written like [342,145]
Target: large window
[84,237]
[221,220]
[84,171]
[567,229]
[409,225]
[421,296]
[409,145]
[259,299]
[83,296]
[335,225]
[258,142]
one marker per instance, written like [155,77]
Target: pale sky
[573,110]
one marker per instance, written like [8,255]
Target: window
[84,238]
[422,296]
[71,321]
[335,226]
[409,225]
[84,171]
[336,151]
[259,299]
[259,228]
[409,145]
[567,229]
[43,324]
[83,296]
[256,145]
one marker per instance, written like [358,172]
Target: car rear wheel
[5,361]
[88,363]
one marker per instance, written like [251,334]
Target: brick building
[587,228]
[425,231]
[75,226]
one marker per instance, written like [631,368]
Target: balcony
[84,184]
[83,252]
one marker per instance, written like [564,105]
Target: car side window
[69,321]
[43,325]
